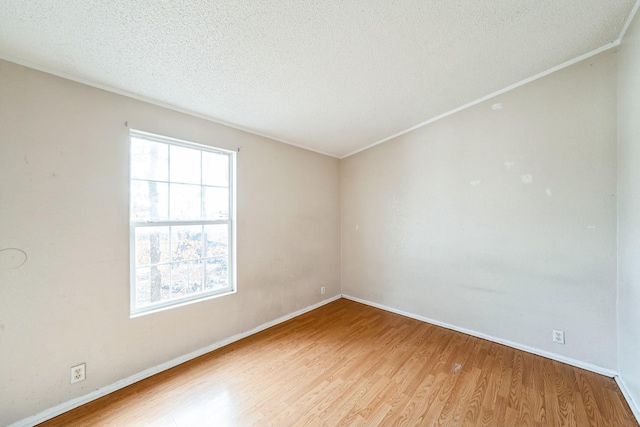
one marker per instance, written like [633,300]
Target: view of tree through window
[181,221]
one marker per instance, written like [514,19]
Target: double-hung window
[181,222]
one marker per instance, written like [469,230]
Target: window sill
[151,310]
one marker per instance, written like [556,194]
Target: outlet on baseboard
[322,290]
[78,373]
[558,336]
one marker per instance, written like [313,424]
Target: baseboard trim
[635,408]
[103,391]
[533,350]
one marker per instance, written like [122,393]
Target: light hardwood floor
[349,364]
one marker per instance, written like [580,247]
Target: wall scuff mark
[12,258]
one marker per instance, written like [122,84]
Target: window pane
[216,238]
[185,201]
[151,284]
[216,275]
[149,160]
[186,278]
[185,165]
[152,245]
[186,242]
[143,286]
[216,203]
[149,200]
[215,169]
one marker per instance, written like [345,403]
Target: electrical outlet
[322,290]
[78,373]
[558,336]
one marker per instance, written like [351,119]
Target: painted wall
[64,202]
[629,211]
[501,219]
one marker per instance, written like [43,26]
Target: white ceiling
[333,76]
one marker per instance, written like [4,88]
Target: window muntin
[181,222]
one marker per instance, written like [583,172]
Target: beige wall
[629,211]
[443,221]
[64,201]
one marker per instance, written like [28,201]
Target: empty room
[279,213]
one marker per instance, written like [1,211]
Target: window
[181,222]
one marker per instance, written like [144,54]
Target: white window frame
[231,222]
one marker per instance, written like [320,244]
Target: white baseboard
[103,391]
[569,361]
[79,401]
[635,408]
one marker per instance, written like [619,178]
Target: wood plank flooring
[349,364]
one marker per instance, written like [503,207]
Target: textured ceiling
[333,76]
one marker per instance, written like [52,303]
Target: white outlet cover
[558,336]
[78,373]
[322,290]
